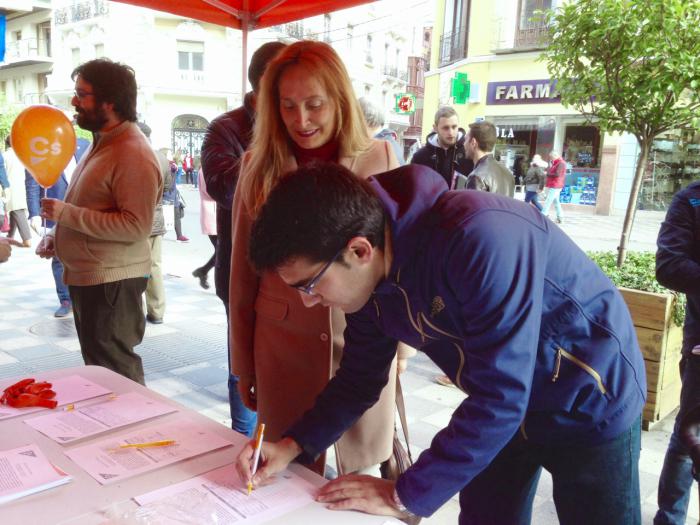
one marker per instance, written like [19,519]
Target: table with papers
[193,478]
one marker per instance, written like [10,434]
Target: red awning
[258,13]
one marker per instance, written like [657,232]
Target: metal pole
[244,57]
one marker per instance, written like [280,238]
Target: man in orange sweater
[102,227]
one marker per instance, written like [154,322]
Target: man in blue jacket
[58,191]
[504,303]
[678,268]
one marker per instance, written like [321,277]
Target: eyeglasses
[308,288]
[80,95]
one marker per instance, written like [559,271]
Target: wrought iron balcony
[533,36]
[393,71]
[81,11]
[453,47]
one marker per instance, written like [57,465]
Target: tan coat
[292,350]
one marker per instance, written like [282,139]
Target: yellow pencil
[163,443]
[256,453]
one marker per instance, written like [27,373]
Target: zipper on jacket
[557,365]
[376,307]
[522,430]
[584,366]
[418,326]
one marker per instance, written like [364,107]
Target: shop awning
[246,15]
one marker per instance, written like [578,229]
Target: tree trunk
[645,146]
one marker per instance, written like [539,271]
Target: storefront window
[523,138]
[582,154]
[520,138]
[674,162]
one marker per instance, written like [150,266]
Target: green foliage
[82,133]
[633,64]
[7,117]
[638,272]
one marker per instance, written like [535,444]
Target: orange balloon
[44,141]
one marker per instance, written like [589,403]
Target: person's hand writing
[274,458]
[51,209]
[46,249]
[246,389]
[358,492]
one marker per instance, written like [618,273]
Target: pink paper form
[24,471]
[107,463]
[115,412]
[222,494]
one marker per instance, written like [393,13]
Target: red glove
[27,393]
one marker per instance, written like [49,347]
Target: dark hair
[313,212]
[484,133]
[263,56]
[112,83]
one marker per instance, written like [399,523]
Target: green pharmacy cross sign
[460,88]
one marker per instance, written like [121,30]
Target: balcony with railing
[81,11]
[532,36]
[27,51]
[511,37]
[395,72]
[453,47]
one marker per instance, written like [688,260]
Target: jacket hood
[432,138]
[408,193]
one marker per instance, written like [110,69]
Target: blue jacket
[678,257]
[508,307]
[4,181]
[57,191]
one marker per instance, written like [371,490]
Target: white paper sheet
[107,463]
[24,471]
[220,493]
[69,389]
[115,412]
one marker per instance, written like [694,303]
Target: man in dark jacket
[444,148]
[488,174]
[226,140]
[678,268]
[550,358]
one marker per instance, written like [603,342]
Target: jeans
[553,197]
[531,196]
[61,289]
[591,484]
[677,473]
[243,419]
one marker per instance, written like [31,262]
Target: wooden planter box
[660,341]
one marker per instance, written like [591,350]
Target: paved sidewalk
[185,358]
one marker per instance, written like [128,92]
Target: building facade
[188,72]
[497,45]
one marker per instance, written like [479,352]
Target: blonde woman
[284,352]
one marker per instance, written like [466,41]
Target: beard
[91,120]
